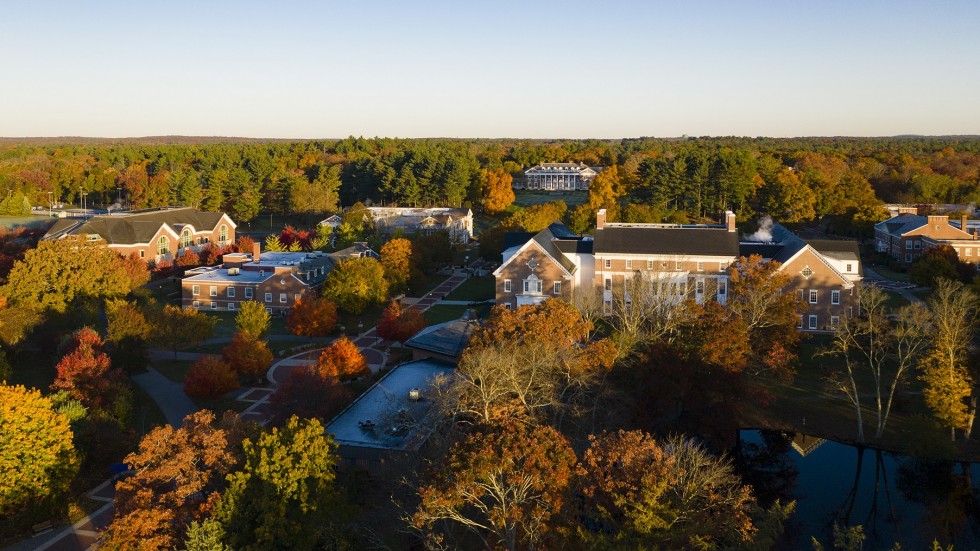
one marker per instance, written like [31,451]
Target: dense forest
[794,180]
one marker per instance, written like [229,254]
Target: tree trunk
[968,431]
[857,409]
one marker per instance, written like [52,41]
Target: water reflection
[895,497]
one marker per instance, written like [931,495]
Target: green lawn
[175,370]
[888,273]
[895,301]
[475,289]
[226,324]
[526,198]
[146,413]
[441,313]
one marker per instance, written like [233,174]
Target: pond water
[896,498]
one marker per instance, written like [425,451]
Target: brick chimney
[937,220]
[730,220]
[600,219]
[256,252]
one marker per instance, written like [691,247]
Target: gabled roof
[781,246]
[547,240]
[666,240]
[902,224]
[136,227]
[840,249]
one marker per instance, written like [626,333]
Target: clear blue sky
[489,69]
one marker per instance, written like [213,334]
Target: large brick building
[154,235]
[906,236]
[276,279]
[685,260]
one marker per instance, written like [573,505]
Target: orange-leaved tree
[673,495]
[210,377]
[400,325]
[396,257]
[248,356]
[179,474]
[312,317]
[86,372]
[341,361]
[506,483]
[498,191]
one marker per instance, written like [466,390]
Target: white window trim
[507,286]
[557,288]
[813,296]
[231,305]
[195,290]
[249,292]
[268,297]
[629,264]
[213,291]
[812,322]
[283,297]
[835,297]
[230,292]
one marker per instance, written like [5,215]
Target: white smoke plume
[764,233]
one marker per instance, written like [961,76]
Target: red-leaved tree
[86,372]
[400,325]
[248,356]
[210,377]
[306,393]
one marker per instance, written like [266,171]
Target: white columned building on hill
[559,177]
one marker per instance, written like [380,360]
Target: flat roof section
[386,415]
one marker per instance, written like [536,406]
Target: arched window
[163,246]
[185,239]
[223,233]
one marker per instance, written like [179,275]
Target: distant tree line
[795,180]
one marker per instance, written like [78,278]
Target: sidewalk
[82,535]
[167,394]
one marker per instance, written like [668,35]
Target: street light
[50,205]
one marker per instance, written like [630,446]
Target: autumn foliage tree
[538,357]
[312,317]
[342,360]
[210,377]
[86,372]
[253,319]
[400,325]
[37,457]
[248,356]
[506,484]
[284,496]
[356,283]
[396,257]
[179,474]
[59,271]
[498,191]
[639,493]
[178,328]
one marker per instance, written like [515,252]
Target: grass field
[441,313]
[888,273]
[15,221]
[573,199]
[474,289]
[895,301]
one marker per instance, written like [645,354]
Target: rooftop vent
[232,271]
[415,394]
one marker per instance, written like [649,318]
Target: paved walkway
[167,394]
[900,287]
[80,536]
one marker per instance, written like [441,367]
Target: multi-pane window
[223,233]
[196,290]
[722,287]
[608,263]
[231,305]
[230,291]
[908,244]
[268,297]
[629,264]
[557,289]
[185,239]
[507,287]
[607,284]
[214,305]
[813,321]
[807,272]
[835,297]
[282,297]
[699,289]
[163,245]
[813,296]
[213,290]
[649,264]
[834,320]
[848,268]
[700,266]
[249,292]
[799,322]
[677,264]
